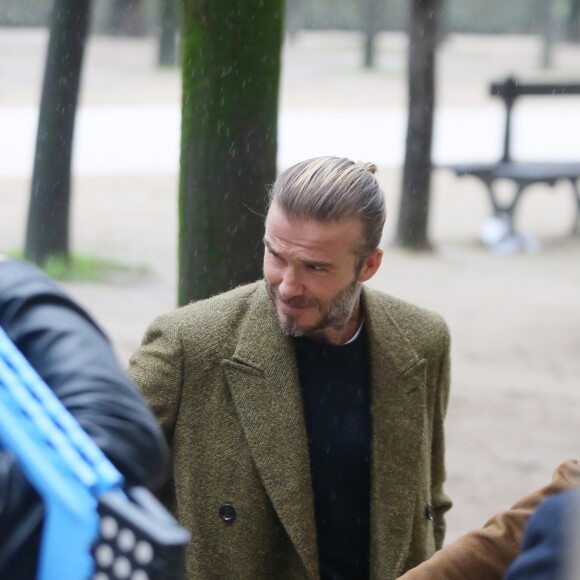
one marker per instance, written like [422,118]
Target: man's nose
[290,285]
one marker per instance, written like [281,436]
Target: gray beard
[336,314]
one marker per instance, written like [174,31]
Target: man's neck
[345,333]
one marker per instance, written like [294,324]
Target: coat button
[227,513]
[429,512]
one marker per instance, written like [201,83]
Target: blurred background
[345,84]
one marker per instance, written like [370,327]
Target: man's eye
[317,268]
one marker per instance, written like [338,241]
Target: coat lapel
[398,413]
[263,380]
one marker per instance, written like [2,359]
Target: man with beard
[305,411]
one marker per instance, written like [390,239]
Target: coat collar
[263,379]
[398,391]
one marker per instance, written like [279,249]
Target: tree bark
[168,32]
[573,22]
[371,26]
[414,207]
[127,18]
[549,25]
[47,232]
[294,17]
[230,73]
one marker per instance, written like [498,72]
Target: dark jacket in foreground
[222,379]
[75,359]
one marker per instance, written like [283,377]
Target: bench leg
[576,191]
[505,211]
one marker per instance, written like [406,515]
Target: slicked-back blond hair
[327,189]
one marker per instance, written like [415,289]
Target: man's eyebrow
[269,246]
[317,264]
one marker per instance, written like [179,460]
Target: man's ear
[370,265]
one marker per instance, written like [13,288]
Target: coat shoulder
[215,320]
[418,324]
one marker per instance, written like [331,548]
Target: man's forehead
[284,232]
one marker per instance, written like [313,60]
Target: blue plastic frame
[60,460]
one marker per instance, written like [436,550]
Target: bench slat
[511,89]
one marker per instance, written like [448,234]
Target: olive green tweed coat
[222,380]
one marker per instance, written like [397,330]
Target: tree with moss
[230,62]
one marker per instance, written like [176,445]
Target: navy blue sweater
[335,392]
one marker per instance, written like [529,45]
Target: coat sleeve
[440,501]
[485,554]
[157,368]
[547,542]
[75,359]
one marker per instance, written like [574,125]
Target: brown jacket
[487,553]
[222,379]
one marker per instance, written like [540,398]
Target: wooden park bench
[522,173]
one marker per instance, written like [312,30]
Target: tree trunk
[549,25]
[294,18]
[47,232]
[231,69]
[371,26]
[573,22]
[127,18]
[414,207]
[167,37]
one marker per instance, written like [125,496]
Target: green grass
[86,268]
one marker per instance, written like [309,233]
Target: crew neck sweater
[334,381]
